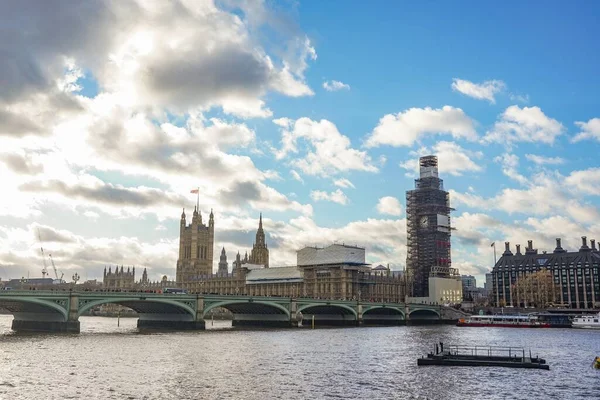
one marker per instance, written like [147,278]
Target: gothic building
[196,242]
[223,264]
[260,251]
[259,255]
[120,279]
[337,271]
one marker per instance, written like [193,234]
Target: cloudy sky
[312,113]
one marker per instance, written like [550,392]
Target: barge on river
[478,356]
[503,321]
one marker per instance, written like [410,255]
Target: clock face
[424,221]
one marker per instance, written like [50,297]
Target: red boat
[503,321]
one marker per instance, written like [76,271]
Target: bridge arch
[324,308]
[150,305]
[249,307]
[384,310]
[18,305]
[424,313]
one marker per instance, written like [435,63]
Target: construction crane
[55,270]
[45,269]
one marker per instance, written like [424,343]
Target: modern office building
[469,287]
[428,229]
[574,273]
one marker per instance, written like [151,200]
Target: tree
[535,289]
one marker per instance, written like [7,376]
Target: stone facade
[119,279]
[196,242]
[223,265]
[260,251]
[122,279]
[259,254]
[334,272]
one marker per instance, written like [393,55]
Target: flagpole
[198,201]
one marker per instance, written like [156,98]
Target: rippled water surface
[110,362]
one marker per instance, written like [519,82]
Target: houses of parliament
[336,271]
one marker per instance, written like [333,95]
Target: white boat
[587,321]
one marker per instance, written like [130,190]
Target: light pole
[75,278]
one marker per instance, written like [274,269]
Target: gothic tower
[196,242]
[428,228]
[223,263]
[144,280]
[260,251]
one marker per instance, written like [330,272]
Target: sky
[313,113]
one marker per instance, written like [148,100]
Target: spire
[211,214]
[183,214]
[223,251]
[260,222]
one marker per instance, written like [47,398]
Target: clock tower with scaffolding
[428,229]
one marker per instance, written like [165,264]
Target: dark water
[110,362]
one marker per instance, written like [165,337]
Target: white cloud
[336,196]
[328,152]
[589,130]
[406,128]
[544,195]
[296,176]
[527,124]
[389,205]
[585,182]
[509,163]
[334,86]
[520,98]
[543,160]
[153,55]
[452,159]
[343,183]
[481,91]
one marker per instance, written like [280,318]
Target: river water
[109,362]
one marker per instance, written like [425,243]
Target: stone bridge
[59,311]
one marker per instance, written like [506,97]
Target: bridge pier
[170,325]
[22,325]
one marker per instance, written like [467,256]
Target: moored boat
[477,356]
[503,321]
[587,321]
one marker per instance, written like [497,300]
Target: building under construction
[428,229]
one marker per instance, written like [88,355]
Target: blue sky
[104,136]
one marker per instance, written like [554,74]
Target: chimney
[530,249]
[584,246]
[593,242]
[518,253]
[558,248]
[507,251]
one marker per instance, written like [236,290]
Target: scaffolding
[428,228]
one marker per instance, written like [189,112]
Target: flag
[194,191]
[493,244]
